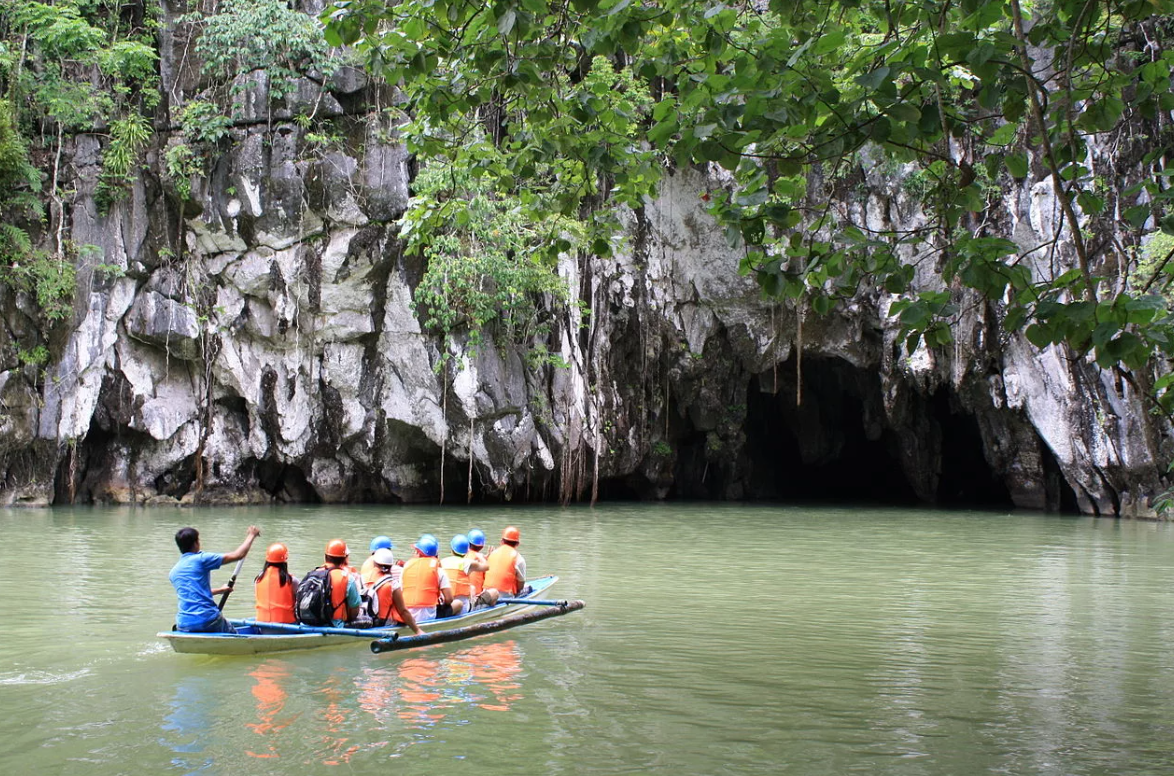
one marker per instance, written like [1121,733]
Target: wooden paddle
[231,582]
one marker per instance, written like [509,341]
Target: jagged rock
[308,375]
[347,80]
[165,323]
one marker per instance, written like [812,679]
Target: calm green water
[716,639]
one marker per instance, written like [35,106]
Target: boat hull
[255,638]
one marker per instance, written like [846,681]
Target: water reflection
[338,747]
[484,677]
[270,695]
[391,703]
[189,718]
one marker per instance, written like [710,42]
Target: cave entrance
[284,482]
[830,448]
[966,480]
[836,447]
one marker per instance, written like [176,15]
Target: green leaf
[1038,335]
[664,108]
[702,131]
[1137,215]
[981,54]
[873,79]
[1004,135]
[751,198]
[505,22]
[1090,203]
[903,111]
[829,42]
[1017,165]
[880,129]
[662,131]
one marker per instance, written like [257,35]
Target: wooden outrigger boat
[254,637]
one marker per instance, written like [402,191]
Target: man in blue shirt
[192,579]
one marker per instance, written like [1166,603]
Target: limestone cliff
[257,341]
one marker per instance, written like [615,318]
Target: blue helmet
[381,542]
[459,544]
[428,546]
[477,538]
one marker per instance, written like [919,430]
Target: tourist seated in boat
[507,567]
[425,584]
[387,592]
[192,579]
[367,572]
[458,568]
[275,588]
[342,606]
[477,552]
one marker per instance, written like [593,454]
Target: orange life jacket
[476,578]
[275,601]
[382,590]
[459,580]
[502,570]
[338,585]
[421,582]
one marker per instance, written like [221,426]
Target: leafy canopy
[792,98]
[485,270]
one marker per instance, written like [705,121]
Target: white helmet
[383,557]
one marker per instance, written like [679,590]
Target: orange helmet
[336,548]
[277,553]
[511,534]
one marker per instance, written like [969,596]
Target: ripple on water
[41,677]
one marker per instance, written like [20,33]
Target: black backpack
[313,606]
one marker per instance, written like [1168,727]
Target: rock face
[259,342]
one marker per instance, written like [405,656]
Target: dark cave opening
[73,482]
[831,447]
[1059,494]
[836,446]
[966,480]
[285,482]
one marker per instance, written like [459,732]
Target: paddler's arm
[445,587]
[397,601]
[243,550]
[353,600]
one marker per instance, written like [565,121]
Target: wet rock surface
[261,344]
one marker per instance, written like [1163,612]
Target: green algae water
[716,639]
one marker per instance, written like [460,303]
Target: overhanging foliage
[972,96]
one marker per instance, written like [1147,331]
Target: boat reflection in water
[338,705]
[187,724]
[484,676]
[396,699]
[270,695]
